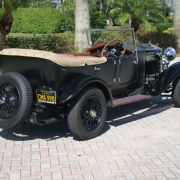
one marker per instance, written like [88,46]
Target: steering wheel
[117,45]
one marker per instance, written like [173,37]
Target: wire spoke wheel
[9,100]
[91,114]
[87,117]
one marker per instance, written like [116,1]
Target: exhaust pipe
[47,121]
[36,120]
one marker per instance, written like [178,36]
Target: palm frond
[124,18]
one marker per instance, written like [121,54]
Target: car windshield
[98,36]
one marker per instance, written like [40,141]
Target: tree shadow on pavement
[116,117]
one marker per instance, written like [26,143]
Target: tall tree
[82,24]
[6,17]
[136,12]
[2,3]
[6,20]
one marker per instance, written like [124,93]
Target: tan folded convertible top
[67,60]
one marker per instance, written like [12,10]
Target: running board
[129,100]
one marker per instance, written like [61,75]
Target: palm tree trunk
[177,21]
[2,40]
[82,25]
[2,2]
[110,22]
[101,4]
[135,24]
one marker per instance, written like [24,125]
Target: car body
[109,73]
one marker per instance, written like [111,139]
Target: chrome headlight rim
[170,53]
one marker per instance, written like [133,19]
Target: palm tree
[82,24]
[6,21]
[135,12]
[6,18]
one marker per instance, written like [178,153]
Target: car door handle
[97,69]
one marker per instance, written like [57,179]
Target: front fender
[167,77]
[75,87]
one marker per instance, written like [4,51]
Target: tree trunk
[135,24]
[110,22]
[82,25]
[101,4]
[2,41]
[177,21]
[2,3]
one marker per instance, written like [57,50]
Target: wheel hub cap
[92,113]
[2,100]
[9,100]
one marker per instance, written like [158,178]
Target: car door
[127,70]
[107,71]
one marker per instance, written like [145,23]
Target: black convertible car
[44,87]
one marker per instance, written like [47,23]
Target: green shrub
[35,20]
[58,43]
[97,18]
[160,39]
[66,22]
[48,20]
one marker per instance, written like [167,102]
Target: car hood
[148,48]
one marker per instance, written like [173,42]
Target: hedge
[50,20]
[58,43]
[36,20]
[64,42]
[160,39]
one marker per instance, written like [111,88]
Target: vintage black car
[47,87]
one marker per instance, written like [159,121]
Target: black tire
[176,94]
[16,99]
[85,122]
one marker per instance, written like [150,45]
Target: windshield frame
[111,30]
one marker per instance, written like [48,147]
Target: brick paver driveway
[140,141]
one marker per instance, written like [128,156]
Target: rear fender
[166,78]
[77,85]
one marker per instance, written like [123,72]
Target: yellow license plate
[46,96]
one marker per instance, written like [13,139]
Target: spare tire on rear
[15,99]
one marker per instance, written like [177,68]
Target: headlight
[170,53]
[165,64]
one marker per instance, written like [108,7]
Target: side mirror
[170,53]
